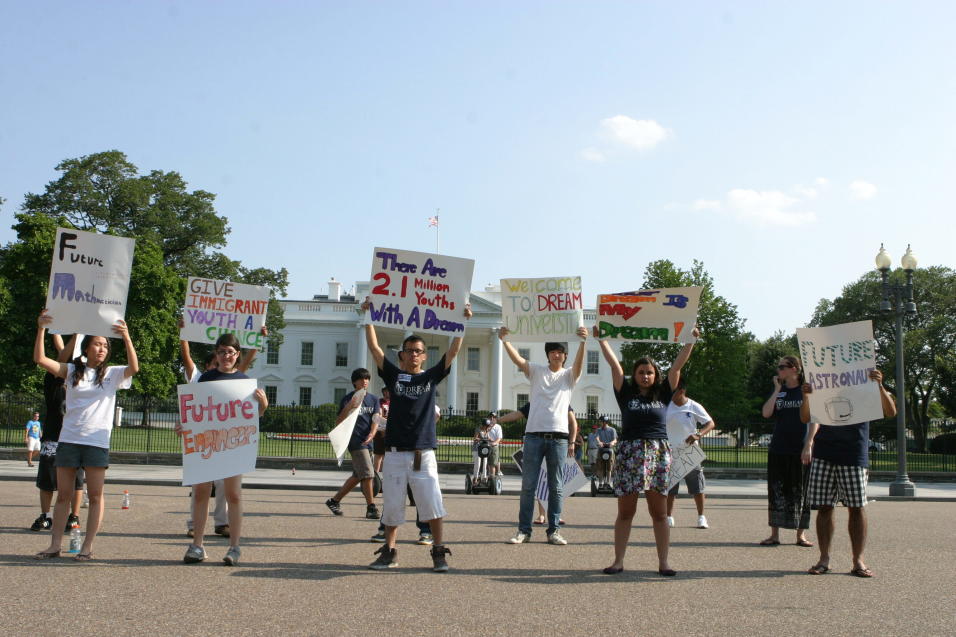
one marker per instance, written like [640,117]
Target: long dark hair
[797,365]
[657,388]
[79,367]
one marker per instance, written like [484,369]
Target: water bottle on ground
[76,540]
[125,498]
[86,500]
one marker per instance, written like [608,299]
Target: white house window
[341,354]
[271,393]
[592,405]
[522,399]
[308,349]
[474,359]
[338,393]
[594,366]
[525,353]
[272,353]
[471,402]
[305,396]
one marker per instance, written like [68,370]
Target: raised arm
[64,353]
[886,399]
[132,362]
[39,350]
[189,366]
[372,339]
[771,404]
[455,346]
[249,355]
[578,365]
[617,373]
[673,374]
[513,353]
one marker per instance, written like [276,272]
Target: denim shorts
[69,454]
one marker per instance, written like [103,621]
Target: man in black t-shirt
[838,471]
[410,441]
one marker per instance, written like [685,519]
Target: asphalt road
[304,572]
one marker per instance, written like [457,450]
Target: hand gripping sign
[665,315]
[89,281]
[214,308]
[418,291]
[220,423]
[544,309]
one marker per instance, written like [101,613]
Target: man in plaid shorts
[839,472]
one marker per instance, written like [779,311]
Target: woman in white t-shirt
[91,387]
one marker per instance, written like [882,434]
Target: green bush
[946,443]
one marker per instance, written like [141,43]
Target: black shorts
[46,475]
[378,443]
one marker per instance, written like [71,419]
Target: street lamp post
[898,300]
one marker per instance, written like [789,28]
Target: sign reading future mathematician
[220,423]
[214,308]
[89,281]
[837,361]
[649,316]
[420,292]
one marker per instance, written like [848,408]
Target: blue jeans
[553,452]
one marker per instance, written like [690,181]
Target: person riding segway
[605,440]
[481,450]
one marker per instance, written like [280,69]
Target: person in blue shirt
[31,437]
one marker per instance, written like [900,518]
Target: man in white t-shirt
[495,434]
[547,435]
[684,416]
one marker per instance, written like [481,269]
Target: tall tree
[929,336]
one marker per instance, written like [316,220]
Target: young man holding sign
[410,441]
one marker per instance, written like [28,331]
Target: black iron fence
[145,425]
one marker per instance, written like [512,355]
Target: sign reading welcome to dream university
[649,316]
[419,291]
[89,281]
[837,361]
[214,308]
[538,310]
[220,423]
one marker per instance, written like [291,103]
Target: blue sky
[777,142]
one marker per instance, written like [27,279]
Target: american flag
[433,221]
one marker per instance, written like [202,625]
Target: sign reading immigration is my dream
[542,309]
[89,281]
[837,361]
[220,422]
[663,315]
[419,291]
[214,308]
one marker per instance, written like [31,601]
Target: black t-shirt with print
[643,417]
[789,431]
[411,412]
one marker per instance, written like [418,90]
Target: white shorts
[33,444]
[397,472]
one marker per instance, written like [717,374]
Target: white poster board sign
[220,423]
[837,361]
[543,309]
[213,308]
[572,479]
[684,459]
[419,291]
[342,433]
[649,316]
[89,282]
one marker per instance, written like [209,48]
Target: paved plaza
[303,572]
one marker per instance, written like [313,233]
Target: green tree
[929,336]
[716,375]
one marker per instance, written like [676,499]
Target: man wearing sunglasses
[410,441]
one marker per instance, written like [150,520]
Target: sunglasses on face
[783,367]
[416,352]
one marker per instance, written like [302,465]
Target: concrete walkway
[165,475]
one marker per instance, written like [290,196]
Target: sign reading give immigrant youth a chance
[545,309]
[89,281]
[837,361]
[220,423]
[663,315]
[214,308]
[420,292]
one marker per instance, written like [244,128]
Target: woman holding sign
[91,387]
[789,455]
[643,456]
[227,356]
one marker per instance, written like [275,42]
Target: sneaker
[520,538]
[232,556]
[333,506]
[371,512]
[670,521]
[72,522]
[439,565]
[702,522]
[379,537]
[386,559]
[42,523]
[425,539]
[555,538]
[223,530]
[194,554]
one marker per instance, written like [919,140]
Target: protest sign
[89,281]
[214,308]
[684,459]
[572,478]
[419,291]
[545,309]
[837,361]
[220,423]
[342,433]
[649,316]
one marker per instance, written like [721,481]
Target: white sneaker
[555,538]
[702,522]
[670,521]
[519,538]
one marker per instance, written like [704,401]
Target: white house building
[324,340]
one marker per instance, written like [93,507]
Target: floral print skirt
[641,465]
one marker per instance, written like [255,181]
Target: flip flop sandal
[862,572]
[769,542]
[804,543]
[818,569]
[46,555]
[83,557]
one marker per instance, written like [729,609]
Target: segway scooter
[605,459]
[484,483]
